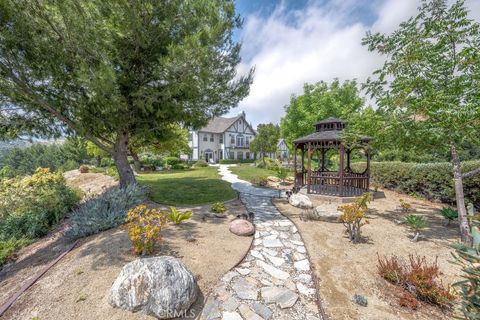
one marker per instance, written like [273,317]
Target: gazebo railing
[330,183]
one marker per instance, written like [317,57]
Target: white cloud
[289,48]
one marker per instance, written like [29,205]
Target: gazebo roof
[329,129]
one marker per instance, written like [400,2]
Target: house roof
[219,124]
[280,142]
[330,120]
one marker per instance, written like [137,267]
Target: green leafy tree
[266,139]
[429,85]
[96,152]
[319,101]
[112,71]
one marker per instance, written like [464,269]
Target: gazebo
[343,182]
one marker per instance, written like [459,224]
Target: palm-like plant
[176,216]
[415,223]
[449,214]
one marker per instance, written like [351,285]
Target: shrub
[419,278]
[415,223]
[449,214]
[104,211]
[144,227]
[261,181]
[84,169]
[68,165]
[201,163]
[429,180]
[151,160]
[229,161]
[8,248]
[178,166]
[176,216]
[405,206]
[218,207]
[31,205]
[469,260]
[408,300]
[282,173]
[106,162]
[171,161]
[353,219]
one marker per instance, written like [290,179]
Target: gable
[241,126]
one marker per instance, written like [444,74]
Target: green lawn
[187,187]
[249,172]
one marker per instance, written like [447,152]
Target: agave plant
[449,214]
[176,216]
[415,223]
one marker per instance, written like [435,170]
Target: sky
[292,42]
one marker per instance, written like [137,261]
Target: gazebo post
[341,169]
[295,165]
[323,159]
[303,164]
[349,151]
[309,164]
[368,170]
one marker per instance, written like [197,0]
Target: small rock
[304,278]
[360,300]
[274,272]
[243,271]
[270,252]
[211,310]
[272,243]
[284,297]
[301,249]
[327,213]
[231,316]
[274,260]
[300,200]
[302,265]
[244,289]
[247,313]
[229,276]
[303,289]
[242,227]
[262,310]
[298,256]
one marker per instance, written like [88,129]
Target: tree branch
[471,173]
[46,107]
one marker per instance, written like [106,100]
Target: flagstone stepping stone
[244,289]
[302,265]
[274,272]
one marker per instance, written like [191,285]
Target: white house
[282,151]
[222,138]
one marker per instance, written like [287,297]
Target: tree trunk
[460,198]
[136,162]
[99,161]
[120,157]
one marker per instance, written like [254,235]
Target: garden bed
[78,286]
[345,269]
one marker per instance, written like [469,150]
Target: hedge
[236,161]
[433,181]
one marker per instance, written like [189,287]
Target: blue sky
[291,42]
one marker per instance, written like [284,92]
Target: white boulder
[159,286]
[300,200]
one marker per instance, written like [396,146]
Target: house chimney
[241,113]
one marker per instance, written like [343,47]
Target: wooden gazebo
[320,180]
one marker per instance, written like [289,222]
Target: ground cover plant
[416,224]
[218,207]
[419,278]
[104,211]
[184,187]
[449,214]
[30,206]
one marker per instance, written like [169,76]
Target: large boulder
[242,227]
[300,200]
[328,213]
[159,286]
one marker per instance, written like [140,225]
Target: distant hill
[5,146]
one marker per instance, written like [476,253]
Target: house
[222,138]
[282,151]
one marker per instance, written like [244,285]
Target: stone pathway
[275,280]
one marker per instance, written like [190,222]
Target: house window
[247,141]
[240,141]
[211,138]
[231,155]
[232,139]
[240,155]
[221,138]
[205,137]
[247,155]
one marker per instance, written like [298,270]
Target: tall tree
[319,101]
[429,84]
[115,70]
[266,139]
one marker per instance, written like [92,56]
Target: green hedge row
[433,181]
[233,161]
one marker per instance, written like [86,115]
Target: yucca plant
[449,214]
[415,223]
[218,207]
[175,216]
